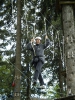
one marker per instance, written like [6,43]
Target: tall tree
[18,55]
[69,36]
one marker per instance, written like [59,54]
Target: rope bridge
[71,97]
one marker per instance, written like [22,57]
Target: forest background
[38,18]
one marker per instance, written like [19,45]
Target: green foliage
[6,77]
[55,92]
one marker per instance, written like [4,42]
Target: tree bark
[60,70]
[28,83]
[69,40]
[18,54]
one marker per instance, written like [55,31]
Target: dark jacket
[38,50]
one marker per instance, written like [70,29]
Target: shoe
[42,87]
[42,84]
[34,82]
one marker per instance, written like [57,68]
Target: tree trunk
[60,70]
[69,40]
[18,54]
[28,83]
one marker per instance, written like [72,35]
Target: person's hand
[32,40]
[46,37]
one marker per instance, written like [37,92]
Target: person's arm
[47,42]
[29,45]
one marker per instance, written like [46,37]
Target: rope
[18,69]
[59,45]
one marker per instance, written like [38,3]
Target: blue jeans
[37,74]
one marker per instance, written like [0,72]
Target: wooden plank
[67,2]
[67,98]
[38,99]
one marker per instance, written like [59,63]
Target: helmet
[38,37]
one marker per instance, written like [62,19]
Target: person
[38,57]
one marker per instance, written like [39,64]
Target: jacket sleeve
[47,43]
[29,46]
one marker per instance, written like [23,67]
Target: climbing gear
[35,59]
[13,84]
[34,83]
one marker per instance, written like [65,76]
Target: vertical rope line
[12,15]
[12,5]
[25,17]
[53,44]
[64,58]
[45,28]
[35,7]
[59,44]
[45,25]
[34,29]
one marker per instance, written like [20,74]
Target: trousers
[37,74]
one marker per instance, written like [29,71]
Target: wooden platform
[66,1]
[67,98]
